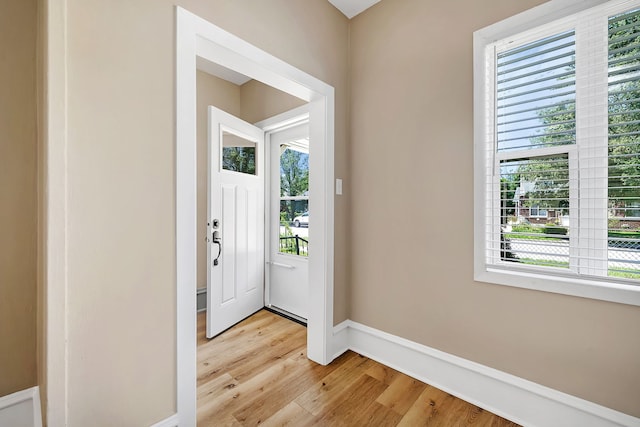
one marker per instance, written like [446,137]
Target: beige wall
[121,174]
[259,101]
[18,207]
[412,183]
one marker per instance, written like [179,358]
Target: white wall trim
[56,213]
[341,338]
[30,396]
[172,421]
[507,395]
[195,37]
[285,120]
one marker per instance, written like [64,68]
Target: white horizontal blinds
[492,199]
[535,130]
[589,225]
[624,145]
[535,93]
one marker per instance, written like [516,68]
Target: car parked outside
[302,220]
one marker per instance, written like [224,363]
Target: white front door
[288,284]
[235,230]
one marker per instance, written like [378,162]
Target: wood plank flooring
[257,373]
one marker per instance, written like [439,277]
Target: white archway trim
[54,213]
[196,37]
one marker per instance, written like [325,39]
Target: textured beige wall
[121,174]
[224,95]
[18,197]
[412,185]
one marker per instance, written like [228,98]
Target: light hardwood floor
[257,373]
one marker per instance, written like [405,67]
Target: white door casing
[235,256]
[198,38]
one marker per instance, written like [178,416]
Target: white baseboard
[21,409]
[341,338]
[511,397]
[172,421]
[201,299]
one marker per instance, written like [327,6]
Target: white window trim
[601,289]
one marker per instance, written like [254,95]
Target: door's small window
[238,154]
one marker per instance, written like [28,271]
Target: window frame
[549,15]
[538,209]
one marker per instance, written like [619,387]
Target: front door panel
[235,248]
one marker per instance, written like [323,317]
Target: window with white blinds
[536,94]
[624,144]
[558,153]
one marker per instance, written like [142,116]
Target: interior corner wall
[18,196]
[260,102]
[121,269]
[412,204]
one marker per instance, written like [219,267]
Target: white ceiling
[351,8]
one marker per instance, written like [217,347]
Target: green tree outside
[294,181]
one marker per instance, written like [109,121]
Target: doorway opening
[288,246]
[200,41]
